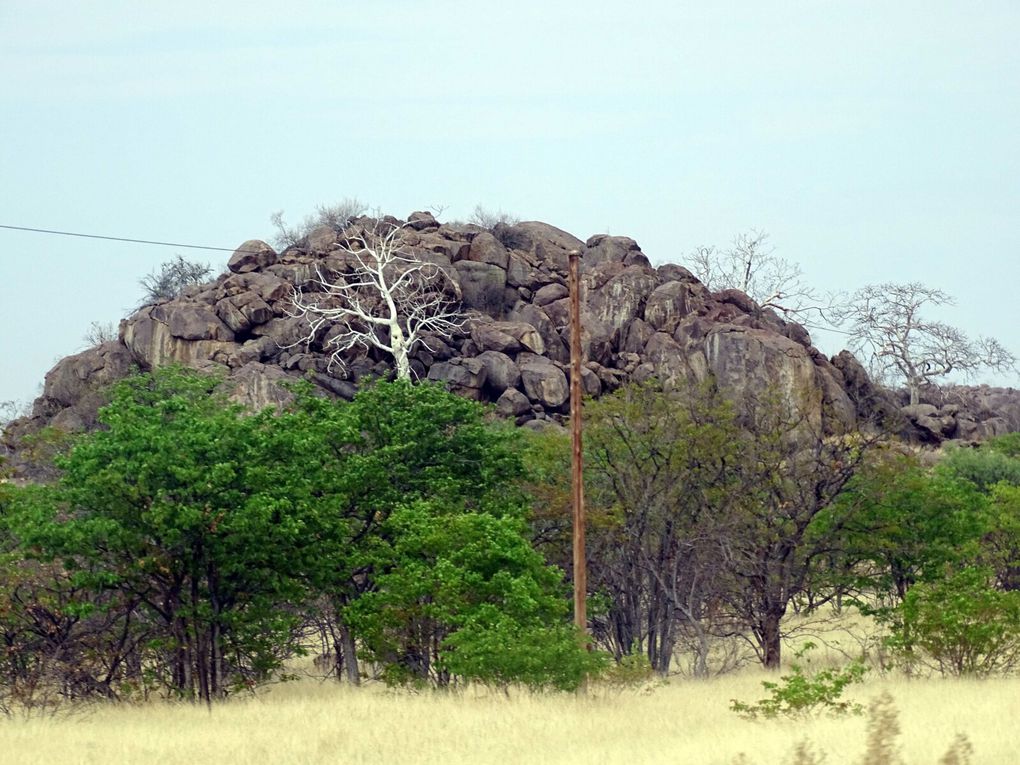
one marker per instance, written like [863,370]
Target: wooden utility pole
[577,484]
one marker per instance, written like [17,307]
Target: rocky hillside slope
[638,322]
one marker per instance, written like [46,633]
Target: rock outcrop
[638,322]
[962,412]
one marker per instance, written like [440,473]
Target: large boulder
[669,303]
[500,371]
[85,372]
[253,255]
[465,376]
[197,336]
[482,286]
[241,312]
[506,336]
[623,296]
[485,248]
[192,321]
[749,363]
[543,381]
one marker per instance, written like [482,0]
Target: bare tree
[885,324]
[172,278]
[99,333]
[336,216]
[490,219]
[389,300]
[9,410]
[752,267]
[659,466]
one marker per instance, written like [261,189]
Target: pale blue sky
[874,141]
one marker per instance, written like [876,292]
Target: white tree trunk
[398,344]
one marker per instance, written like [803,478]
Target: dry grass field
[683,722]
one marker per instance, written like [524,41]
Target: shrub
[172,278]
[99,333]
[632,670]
[800,694]
[336,216]
[983,467]
[960,625]
[490,219]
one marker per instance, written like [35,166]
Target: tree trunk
[349,654]
[771,639]
[399,346]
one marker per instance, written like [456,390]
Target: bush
[172,278]
[99,333]
[881,742]
[632,670]
[983,467]
[960,625]
[336,216]
[490,219]
[800,694]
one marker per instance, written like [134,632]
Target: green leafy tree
[903,524]
[430,571]
[984,466]
[960,625]
[464,595]
[783,538]
[1001,544]
[196,513]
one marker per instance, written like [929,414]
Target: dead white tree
[752,267]
[885,324]
[390,299]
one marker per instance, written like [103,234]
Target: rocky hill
[638,322]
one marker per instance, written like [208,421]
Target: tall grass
[682,722]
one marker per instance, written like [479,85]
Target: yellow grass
[683,722]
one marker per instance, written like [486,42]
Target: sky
[873,141]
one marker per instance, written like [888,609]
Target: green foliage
[983,467]
[633,669]
[199,532]
[960,625]
[901,524]
[463,594]
[195,512]
[1001,545]
[660,482]
[1008,444]
[801,694]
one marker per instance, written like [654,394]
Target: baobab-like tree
[390,298]
[885,323]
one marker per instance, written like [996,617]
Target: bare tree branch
[885,324]
[752,267]
[388,288]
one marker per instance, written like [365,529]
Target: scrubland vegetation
[411,543]
[684,722]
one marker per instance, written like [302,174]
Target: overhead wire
[124,239]
[228,249]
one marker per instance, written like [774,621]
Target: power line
[826,329]
[227,249]
[124,239]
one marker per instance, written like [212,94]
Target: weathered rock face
[637,322]
[964,412]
